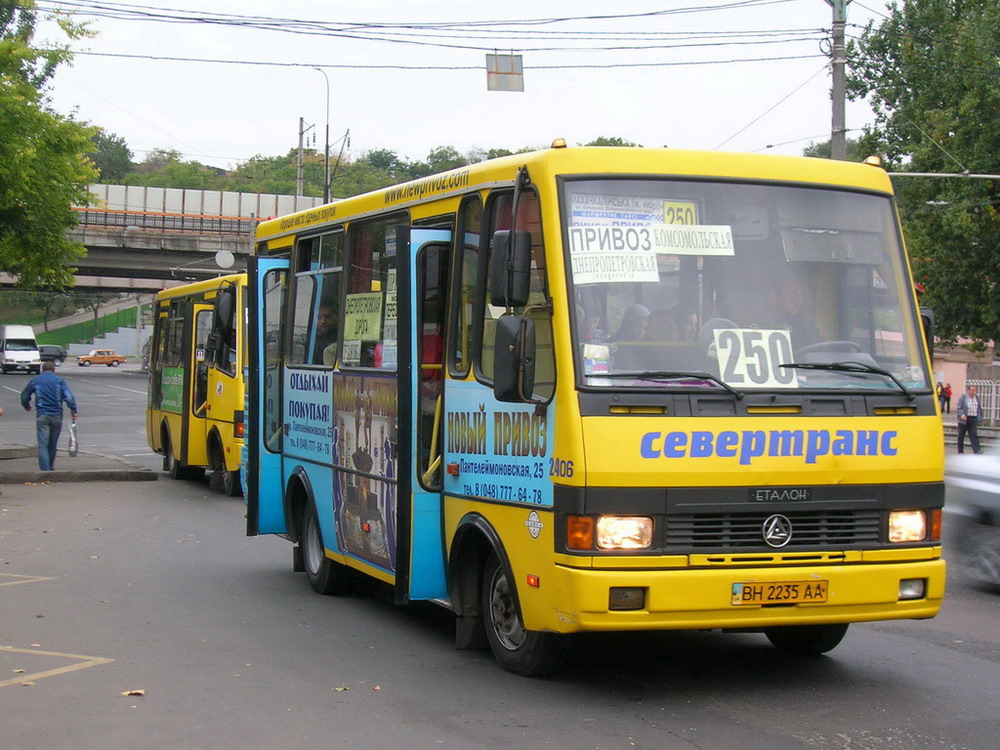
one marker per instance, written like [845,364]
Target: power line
[167,58]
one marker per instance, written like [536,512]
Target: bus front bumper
[584,599]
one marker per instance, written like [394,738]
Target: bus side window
[317,300]
[369,325]
[467,255]
[528,218]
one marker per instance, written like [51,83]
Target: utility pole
[299,163]
[838,64]
[326,147]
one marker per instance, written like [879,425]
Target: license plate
[779,592]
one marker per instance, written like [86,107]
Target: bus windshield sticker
[363,316]
[596,359]
[705,239]
[352,352]
[752,357]
[611,254]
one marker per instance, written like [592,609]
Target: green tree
[612,141]
[824,150]
[929,72]
[111,156]
[44,170]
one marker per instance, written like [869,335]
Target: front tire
[528,653]
[325,576]
[806,640]
[114,364]
[85,363]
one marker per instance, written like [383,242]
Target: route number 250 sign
[751,357]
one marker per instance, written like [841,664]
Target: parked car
[108,357]
[52,353]
[972,513]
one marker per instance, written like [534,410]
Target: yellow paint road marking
[85,661]
[22,579]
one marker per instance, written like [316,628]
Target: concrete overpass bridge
[146,239]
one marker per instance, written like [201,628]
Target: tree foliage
[111,156]
[929,72]
[44,169]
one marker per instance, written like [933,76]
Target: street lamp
[326,147]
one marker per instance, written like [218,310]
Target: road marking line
[88,661]
[24,579]
[97,382]
[12,390]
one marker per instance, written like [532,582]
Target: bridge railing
[186,210]
[159,221]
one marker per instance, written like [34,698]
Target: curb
[84,475]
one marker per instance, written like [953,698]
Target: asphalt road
[111,402]
[152,586]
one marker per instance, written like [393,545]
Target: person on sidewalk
[50,392]
[968,419]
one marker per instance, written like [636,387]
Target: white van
[19,350]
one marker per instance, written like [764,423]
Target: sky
[411,76]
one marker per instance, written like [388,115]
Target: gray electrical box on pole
[838,95]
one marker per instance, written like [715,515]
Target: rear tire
[172,466]
[806,640]
[528,653]
[325,576]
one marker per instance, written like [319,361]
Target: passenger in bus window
[326,335]
[635,322]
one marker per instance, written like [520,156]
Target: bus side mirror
[225,301]
[222,327]
[927,321]
[514,359]
[510,268]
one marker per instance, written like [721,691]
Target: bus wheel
[806,640]
[325,576]
[524,652]
[231,483]
[172,466]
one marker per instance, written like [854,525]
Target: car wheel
[113,364]
[85,363]
[806,640]
[325,576]
[523,652]
[981,556]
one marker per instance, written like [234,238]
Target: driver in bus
[787,305]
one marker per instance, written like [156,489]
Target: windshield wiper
[668,375]
[852,367]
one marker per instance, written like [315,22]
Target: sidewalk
[19,464]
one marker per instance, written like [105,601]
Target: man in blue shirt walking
[50,392]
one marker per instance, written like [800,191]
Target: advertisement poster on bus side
[365,449]
[308,409]
[172,389]
[503,451]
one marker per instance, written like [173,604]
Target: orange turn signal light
[935,525]
[580,532]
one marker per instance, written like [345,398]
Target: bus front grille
[722,531]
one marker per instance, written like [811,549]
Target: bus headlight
[624,532]
[907,526]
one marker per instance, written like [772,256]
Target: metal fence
[988,392]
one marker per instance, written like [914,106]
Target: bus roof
[200,287]
[587,160]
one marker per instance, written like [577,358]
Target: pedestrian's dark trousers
[969,425]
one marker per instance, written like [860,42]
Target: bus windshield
[687,284]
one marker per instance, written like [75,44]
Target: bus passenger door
[196,453]
[429,253]
[267,282]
